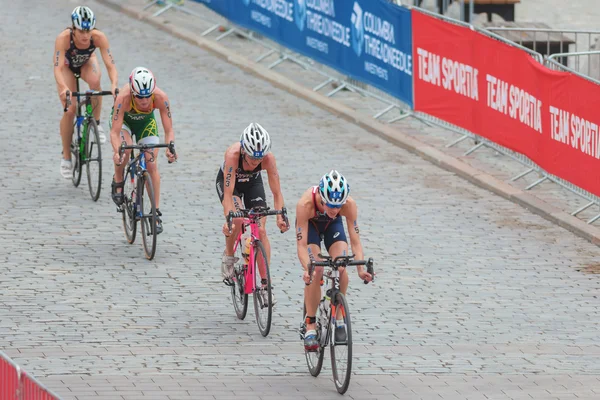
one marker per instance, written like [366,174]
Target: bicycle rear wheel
[129,199]
[93,159]
[341,353]
[263,297]
[75,158]
[314,359]
[238,294]
[148,217]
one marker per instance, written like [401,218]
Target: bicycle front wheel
[263,297]
[341,350]
[75,158]
[148,217]
[129,204]
[93,159]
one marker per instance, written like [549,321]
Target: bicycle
[326,320]
[247,280]
[135,206]
[85,144]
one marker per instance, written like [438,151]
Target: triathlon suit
[75,58]
[330,229]
[141,125]
[248,185]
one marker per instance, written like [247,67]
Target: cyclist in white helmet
[239,185]
[133,117]
[319,213]
[74,56]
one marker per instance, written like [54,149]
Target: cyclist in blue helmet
[319,215]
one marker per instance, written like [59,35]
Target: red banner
[20,386]
[503,94]
[31,390]
[9,380]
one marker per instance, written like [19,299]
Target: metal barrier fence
[575,64]
[563,43]
[16,384]
[391,103]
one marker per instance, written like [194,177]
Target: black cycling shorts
[252,193]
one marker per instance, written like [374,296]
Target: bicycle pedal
[228,282]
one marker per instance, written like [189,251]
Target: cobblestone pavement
[475,298]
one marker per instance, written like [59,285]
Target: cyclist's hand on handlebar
[226,231]
[63,95]
[365,276]
[307,278]
[118,158]
[281,224]
[170,156]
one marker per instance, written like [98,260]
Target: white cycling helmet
[334,189]
[142,82]
[255,141]
[83,18]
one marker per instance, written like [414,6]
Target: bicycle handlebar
[340,261]
[92,93]
[124,146]
[256,212]
[88,93]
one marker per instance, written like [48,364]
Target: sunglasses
[253,158]
[334,205]
[137,96]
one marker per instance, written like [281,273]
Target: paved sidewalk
[476,297]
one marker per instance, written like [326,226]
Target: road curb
[386,132]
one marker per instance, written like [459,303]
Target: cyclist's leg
[312,292]
[152,168]
[255,196]
[228,259]
[337,245]
[117,184]
[90,73]
[66,122]
[149,135]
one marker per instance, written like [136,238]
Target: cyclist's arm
[161,101]
[229,184]
[121,105]
[302,216]
[102,43]
[59,61]
[271,167]
[350,212]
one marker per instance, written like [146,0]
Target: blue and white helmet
[142,82]
[334,189]
[255,140]
[83,18]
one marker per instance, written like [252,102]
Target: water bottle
[245,242]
